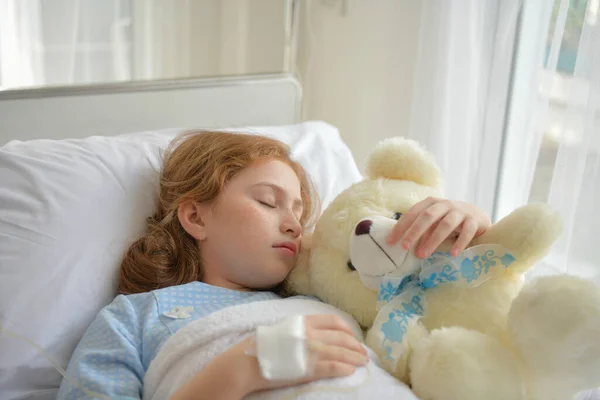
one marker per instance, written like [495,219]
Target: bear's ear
[298,281]
[403,159]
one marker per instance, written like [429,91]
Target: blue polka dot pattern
[115,352]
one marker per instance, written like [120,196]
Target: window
[73,42]
[559,88]
[552,140]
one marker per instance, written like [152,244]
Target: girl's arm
[107,360]
[233,375]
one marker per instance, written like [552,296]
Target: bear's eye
[397,216]
[350,266]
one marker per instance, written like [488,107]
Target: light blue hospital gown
[116,351]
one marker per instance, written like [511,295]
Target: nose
[291,225]
[363,227]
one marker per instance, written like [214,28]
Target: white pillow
[69,209]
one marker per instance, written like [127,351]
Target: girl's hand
[334,352]
[433,220]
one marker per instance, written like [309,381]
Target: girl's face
[250,238]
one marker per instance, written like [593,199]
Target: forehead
[273,172]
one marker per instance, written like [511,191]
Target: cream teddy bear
[464,328]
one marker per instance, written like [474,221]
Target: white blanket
[185,353]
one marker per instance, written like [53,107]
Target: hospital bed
[78,177]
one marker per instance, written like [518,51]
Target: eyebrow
[297,202]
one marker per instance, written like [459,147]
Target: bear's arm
[528,233]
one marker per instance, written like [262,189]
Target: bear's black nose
[363,227]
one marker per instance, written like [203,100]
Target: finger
[408,218]
[328,322]
[322,352]
[424,221]
[428,233]
[467,233]
[337,338]
[445,228]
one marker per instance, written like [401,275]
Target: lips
[287,245]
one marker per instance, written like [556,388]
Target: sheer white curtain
[64,42]
[559,112]
[575,188]
[88,41]
[20,41]
[488,92]
[460,90]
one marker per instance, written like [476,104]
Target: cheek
[248,223]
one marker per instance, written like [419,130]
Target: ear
[191,217]
[298,281]
[404,159]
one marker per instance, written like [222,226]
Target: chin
[273,276]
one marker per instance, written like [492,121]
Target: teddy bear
[469,327]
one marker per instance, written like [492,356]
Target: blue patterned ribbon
[401,302]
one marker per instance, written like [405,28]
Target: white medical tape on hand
[281,349]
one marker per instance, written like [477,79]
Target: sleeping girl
[206,275]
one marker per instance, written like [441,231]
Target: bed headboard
[108,109]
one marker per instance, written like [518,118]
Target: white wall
[357,69]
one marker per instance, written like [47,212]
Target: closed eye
[266,204]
